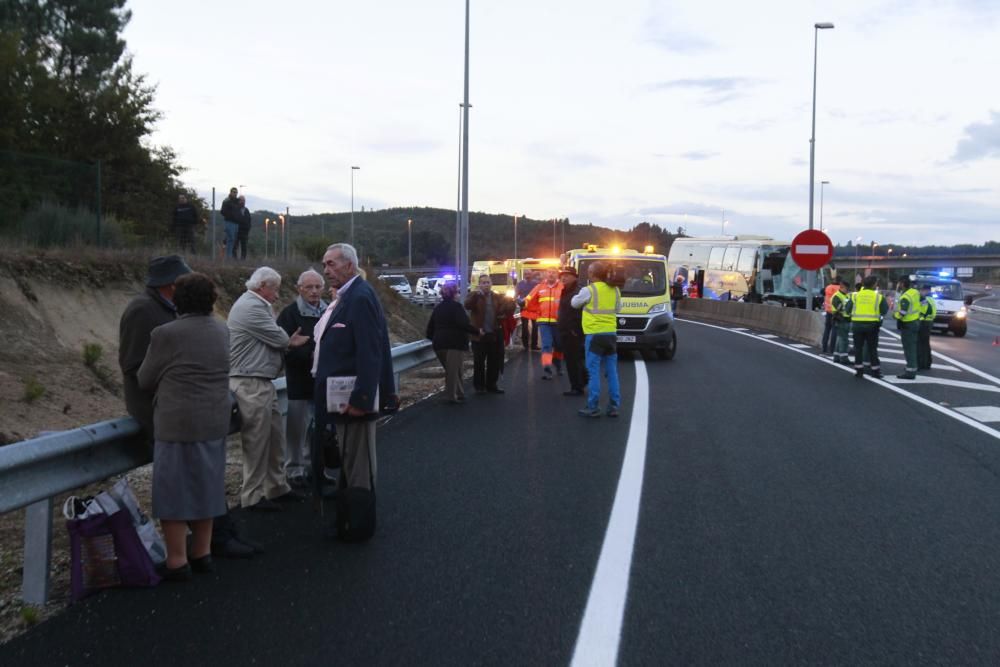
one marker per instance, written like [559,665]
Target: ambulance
[498,273]
[645,321]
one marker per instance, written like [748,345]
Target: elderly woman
[187,367]
[448,330]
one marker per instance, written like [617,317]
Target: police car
[946,291]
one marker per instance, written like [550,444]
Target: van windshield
[950,292]
[635,277]
[395,280]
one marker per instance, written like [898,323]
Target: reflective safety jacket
[928,309]
[542,304]
[867,305]
[599,315]
[838,305]
[828,294]
[908,306]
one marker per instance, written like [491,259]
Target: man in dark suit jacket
[352,341]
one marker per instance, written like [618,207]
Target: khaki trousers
[452,361]
[357,448]
[262,440]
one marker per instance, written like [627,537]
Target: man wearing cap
[143,314]
[571,331]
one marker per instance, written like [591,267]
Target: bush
[51,224]
[30,615]
[33,390]
[92,354]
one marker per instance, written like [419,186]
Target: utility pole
[465,162]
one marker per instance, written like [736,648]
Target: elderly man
[257,355]
[352,342]
[300,315]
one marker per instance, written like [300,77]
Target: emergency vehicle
[946,291]
[497,271]
[645,321]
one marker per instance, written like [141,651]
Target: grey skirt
[189,479]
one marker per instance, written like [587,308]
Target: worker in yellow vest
[928,311]
[907,314]
[839,301]
[600,303]
[867,308]
[829,339]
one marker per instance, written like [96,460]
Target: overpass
[972,268]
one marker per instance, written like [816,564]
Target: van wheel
[667,353]
[959,332]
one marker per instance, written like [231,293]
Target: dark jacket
[231,210]
[354,344]
[143,314]
[449,326]
[570,322]
[188,367]
[246,222]
[185,214]
[475,303]
[298,360]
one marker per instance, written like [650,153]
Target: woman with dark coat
[187,366]
[448,330]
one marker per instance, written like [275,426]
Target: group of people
[859,314]
[236,218]
[183,369]
[577,326]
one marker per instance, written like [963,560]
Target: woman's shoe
[202,565]
[177,574]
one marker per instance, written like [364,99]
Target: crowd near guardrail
[33,472]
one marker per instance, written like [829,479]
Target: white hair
[308,272]
[347,251]
[265,275]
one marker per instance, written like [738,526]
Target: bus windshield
[636,277]
[788,279]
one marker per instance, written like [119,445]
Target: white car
[397,282]
[429,286]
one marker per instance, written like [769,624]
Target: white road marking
[966,367]
[984,413]
[600,631]
[884,359]
[801,346]
[766,336]
[847,369]
[739,329]
[923,379]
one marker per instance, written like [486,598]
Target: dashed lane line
[965,367]
[984,413]
[765,335]
[600,632]
[968,421]
[801,346]
[937,367]
[923,379]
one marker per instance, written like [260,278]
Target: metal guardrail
[33,471]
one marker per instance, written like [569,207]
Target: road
[777,511]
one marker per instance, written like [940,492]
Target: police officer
[839,301]
[907,316]
[601,303]
[928,311]
[867,308]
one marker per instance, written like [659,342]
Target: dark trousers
[526,326]
[829,335]
[572,348]
[924,346]
[241,241]
[185,238]
[866,336]
[486,357]
[908,332]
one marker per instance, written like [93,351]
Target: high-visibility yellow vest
[928,309]
[838,303]
[600,312]
[912,314]
[865,305]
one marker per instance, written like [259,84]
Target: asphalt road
[789,513]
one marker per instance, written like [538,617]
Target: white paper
[338,393]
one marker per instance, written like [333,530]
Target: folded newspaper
[338,392]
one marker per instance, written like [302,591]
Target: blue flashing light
[944,274]
[448,276]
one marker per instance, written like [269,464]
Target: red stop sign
[811,249]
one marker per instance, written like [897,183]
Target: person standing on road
[232,213]
[907,314]
[257,356]
[842,323]
[600,303]
[829,330]
[185,219]
[928,311]
[449,329]
[867,308]
[522,290]
[676,293]
[300,315]
[543,304]
[243,233]
[487,311]
[187,366]
[571,331]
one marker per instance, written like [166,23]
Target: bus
[757,269]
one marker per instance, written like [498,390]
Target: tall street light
[464,277]
[821,184]
[857,244]
[811,281]
[353,169]
[409,244]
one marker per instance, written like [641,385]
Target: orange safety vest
[828,293]
[542,305]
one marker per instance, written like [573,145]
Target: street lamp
[353,169]
[812,153]
[267,223]
[857,241]
[821,184]
[409,244]
[284,243]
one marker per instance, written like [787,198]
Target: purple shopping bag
[105,551]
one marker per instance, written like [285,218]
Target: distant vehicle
[500,279]
[431,286]
[952,309]
[758,269]
[397,282]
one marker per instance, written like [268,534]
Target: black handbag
[235,418]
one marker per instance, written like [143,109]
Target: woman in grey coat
[187,366]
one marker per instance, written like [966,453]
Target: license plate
[625,339]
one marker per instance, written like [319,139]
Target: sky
[683,113]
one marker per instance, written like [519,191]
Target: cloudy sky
[683,113]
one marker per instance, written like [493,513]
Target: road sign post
[811,250]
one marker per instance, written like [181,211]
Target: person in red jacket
[543,306]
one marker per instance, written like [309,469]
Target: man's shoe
[589,412]
[878,375]
[496,390]
[907,376]
[612,412]
[859,373]
[547,375]
[290,497]
[573,392]
[232,548]
[298,481]
[265,505]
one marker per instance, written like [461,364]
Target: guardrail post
[37,552]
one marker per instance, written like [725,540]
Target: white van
[429,286]
[398,282]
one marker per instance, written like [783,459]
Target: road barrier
[794,323]
[33,471]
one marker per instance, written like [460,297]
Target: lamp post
[464,268]
[821,184]
[812,154]
[409,243]
[353,169]
[857,241]
[284,245]
[267,223]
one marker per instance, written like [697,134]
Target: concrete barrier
[794,323]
